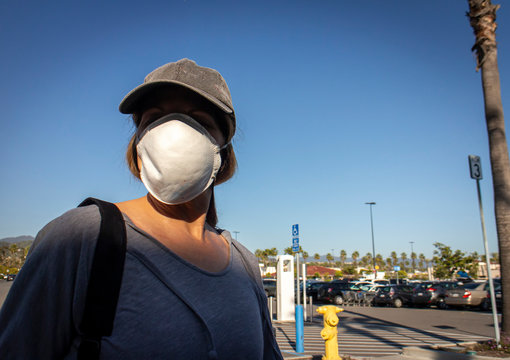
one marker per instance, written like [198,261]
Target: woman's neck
[187,218]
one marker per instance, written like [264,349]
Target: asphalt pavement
[4,289]
[368,332]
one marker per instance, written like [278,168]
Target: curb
[296,356]
[421,353]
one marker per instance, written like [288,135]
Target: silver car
[472,294]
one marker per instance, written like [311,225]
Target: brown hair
[226,171]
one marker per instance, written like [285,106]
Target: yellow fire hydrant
[330,332]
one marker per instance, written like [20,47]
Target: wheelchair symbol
[295,230]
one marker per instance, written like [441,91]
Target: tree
[449,262]
[482,17]
[316,256]
[343,256]
[259,254]
[413,259]
[379,261]
[394,258]
[263,255]
[288,250]
[369,260]
[389,263]
[349,270]
[422,260]
[329,257]
[355,256]
[305,256]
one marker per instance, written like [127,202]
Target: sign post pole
[475,167]
[299,308]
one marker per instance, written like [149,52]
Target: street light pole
[373,244]
[235,234]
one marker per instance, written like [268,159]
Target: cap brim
[128,105]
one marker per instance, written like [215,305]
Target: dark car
[433,293]
[312,288]
[336,292]
[498,295]
[11,277]
[396,295]
[270,287]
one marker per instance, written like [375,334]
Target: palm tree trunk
[482,16]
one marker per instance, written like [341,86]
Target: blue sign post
[299,308]
[396,268]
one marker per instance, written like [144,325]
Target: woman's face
[184,102]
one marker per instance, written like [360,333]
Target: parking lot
[380,331]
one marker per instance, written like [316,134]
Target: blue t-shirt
[167,309]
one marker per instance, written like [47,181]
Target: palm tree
[261,256]
[329,257]
[413,259]
[422,260]
[482,17]
[379,261]
[394,258]
[305,256]
[343,256]
[403,257]
[369,260]
[389,263]
[316,256]
[355,256]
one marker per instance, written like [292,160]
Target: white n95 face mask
[180,159]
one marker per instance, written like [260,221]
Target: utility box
[285,307]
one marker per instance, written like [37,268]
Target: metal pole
[297,278]
[310,302]
[271,308]
[299,314]
[487,258]
[303,272]
[373,243]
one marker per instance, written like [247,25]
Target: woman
[188,290]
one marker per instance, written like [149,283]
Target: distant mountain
[18,239]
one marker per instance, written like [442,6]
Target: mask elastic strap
[225,146]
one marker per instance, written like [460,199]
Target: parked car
[474,294]
[312,289]
[432,293]
[269,287]
[398,281]
[369,292]
[336,292]
[497,293]
[396,295]
[381,282]
[11,277]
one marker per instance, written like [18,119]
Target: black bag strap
[104,281]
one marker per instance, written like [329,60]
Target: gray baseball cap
[185,72]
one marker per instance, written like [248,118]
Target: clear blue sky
[338,103]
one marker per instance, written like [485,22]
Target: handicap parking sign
[295,230]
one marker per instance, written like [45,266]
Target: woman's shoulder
[248,257]
[76,227]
